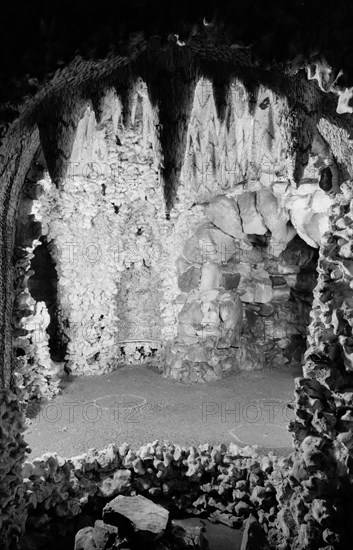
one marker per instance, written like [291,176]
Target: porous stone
[189,280]
[84,540]
[104,535]
[254,537]
[187,534]
[223,212]
[252,220]
[136,515]
[275,218]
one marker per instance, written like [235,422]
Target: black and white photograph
[176,275]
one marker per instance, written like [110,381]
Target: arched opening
[220,293]
[300,164]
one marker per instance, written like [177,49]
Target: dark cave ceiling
[39,36]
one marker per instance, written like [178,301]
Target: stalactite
[171,89]
[126,91]
[220,94]
[149,118]
[97,100]
[57,122]
[298,115]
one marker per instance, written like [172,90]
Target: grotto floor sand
[137,405]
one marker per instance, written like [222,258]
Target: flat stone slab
[136,514]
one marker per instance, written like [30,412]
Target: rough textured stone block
[252,220]
[136,514]
[84,540]
[254,537]
[190,279]
[224,213]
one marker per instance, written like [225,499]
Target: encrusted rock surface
[12,447]
[136,515]
[223,483]
[319,486]
[124,283]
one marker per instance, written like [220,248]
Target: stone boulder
[225,245]
[224,213]
[136,517]
[84,539]
[310,226]
[210,277]
[119,483]
[188,534]
[196,353]
[275,218]
[104,535]
[317,226]
[252,220]
[208,247]
[189,280]
[230,281]
[231,314]
[191,314]
[192,250]
[250,356]
[254,537]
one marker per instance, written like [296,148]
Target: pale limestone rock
[189,533]
[196,354]
[210,312]
[318,226]
[280,188]
[182,265]
[275,218]
[209,295]
[188,334]
[189,279]
[231,314]
[208,248]
[215,245]
[104,535]
[301,220]
[321,201]
[252,220]
[248,294]
[344,98]
[296,201]
[191,314]
[138,514]
[84,539]
[263,291]
[250,356]
[210,277]
[226,246]
[118,483]
[224,213]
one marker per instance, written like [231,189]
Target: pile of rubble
[224,484]
[133,522]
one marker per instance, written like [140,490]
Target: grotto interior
[176,225]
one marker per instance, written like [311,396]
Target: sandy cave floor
[137,405]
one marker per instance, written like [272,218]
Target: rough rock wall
[223,483]
[36,375]
[19,151]
[318,495]
[235,183]
[129,279]
[99,224]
